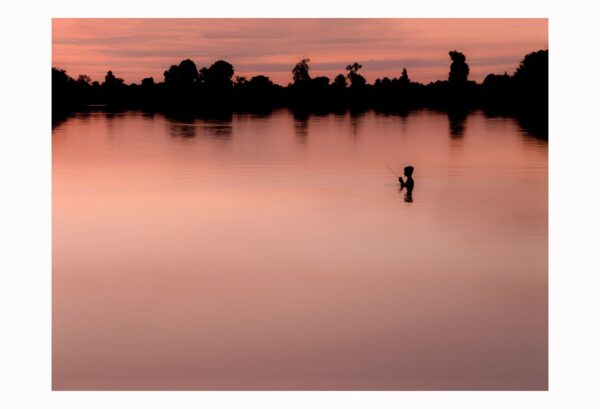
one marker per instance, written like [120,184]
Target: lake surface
[271,252]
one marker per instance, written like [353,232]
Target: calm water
[277,253]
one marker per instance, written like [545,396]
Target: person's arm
[401,181]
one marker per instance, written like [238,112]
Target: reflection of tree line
[218,128]
[187,90]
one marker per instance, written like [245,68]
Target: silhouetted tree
[320,94]
[60,78]
[340,81]
[218,75]
[189,92]
[64,94]
[172,75]
[188,73]
[148,82]
[460,92]
[184,75]
[83,88]
[404,90]
[180,86]
[404,77]
[258,94]
[338,93]
[111,81]
[530,89]
[217,85]
[496,89]
[358,98]
[356,80]
[84,80]
[300,95]
[459,69]
[113,90]
[301,71]
[147,93]
[320,83]
[531,77]
[261,81]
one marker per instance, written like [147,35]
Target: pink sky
[138,48]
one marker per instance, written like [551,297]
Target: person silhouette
[409,183]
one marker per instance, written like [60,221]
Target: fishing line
[390,169]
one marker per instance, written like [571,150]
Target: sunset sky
[138,48]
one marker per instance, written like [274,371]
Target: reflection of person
[408,195]
[409,184]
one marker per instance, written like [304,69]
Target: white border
[25,205]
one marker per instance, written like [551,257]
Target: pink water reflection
[272,253]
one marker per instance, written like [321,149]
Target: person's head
[408,171]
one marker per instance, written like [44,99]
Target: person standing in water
[409,183]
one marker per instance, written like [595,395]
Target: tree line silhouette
[185,89]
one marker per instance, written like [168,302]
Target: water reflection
[217,129]
[408,193]
[355,121]
[534,122]
[113,113]
[221,131]
[457,123]
[301,126]
[182,129]
[267,264]
[535,125]
[148,114]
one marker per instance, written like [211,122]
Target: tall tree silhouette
[114,90]
[183,75]
[301,71]
[217,85]
[531,77]
[218,75]
[181,83]
[64,94]
[459,69]
[300,93]
[404,77]
[338,93]
[460,91]
[110,81]
[356,80]
[358,93]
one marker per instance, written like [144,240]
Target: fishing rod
[390,169]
